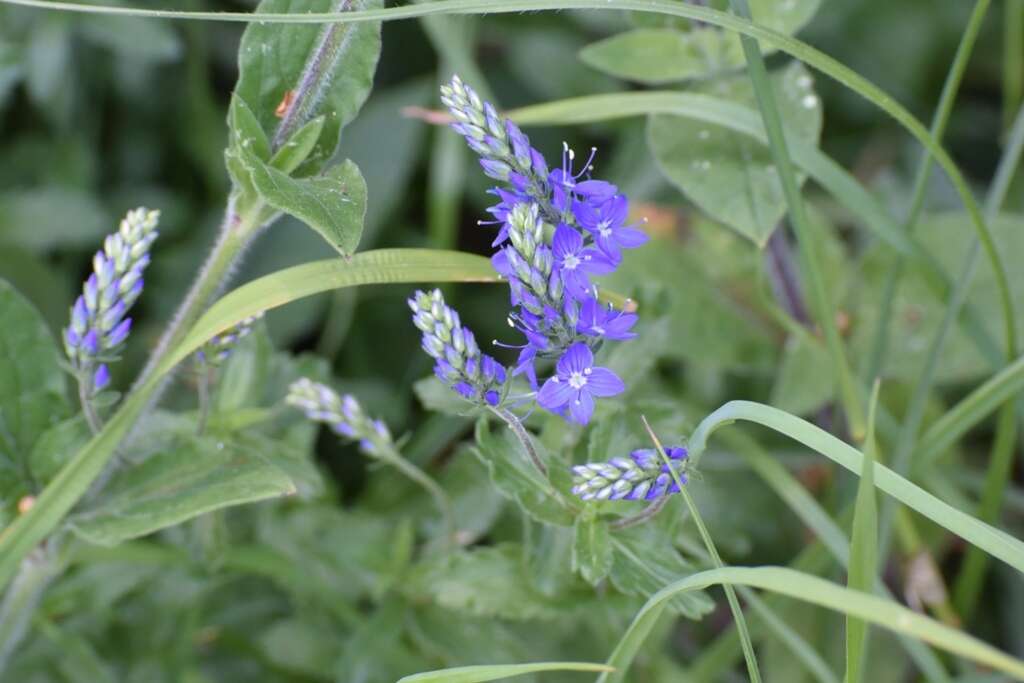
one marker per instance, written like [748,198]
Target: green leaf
[437,398]
[804,380]
[664,55]
[32,388]
[492,672]
[644,561]
[592,550]
[730,177]
[272,62]
[811,589]
[298,147]
[246,131]
[516,478]
[333,204]
[486,581]
[177,485]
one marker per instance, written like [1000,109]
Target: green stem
[523,436]
[798,219]
[730,593]
[88,408]
[1013,58]
[20,601]
[234,235]
[444,504]
[316,77]
[203,393]
[967,590]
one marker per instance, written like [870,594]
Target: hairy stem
[234,235]
[640,517]
[316,77]
[203,394]
[524,437]
[20,601]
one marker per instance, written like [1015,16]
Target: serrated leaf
[272,59]
[516,478]
[732,178]
[592,549]
[644,562]
[176,485]
[333,204]
[32,388]
[486,581]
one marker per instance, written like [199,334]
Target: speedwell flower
[342,414]
[576,382]
[98,325]
[641,476]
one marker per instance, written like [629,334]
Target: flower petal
[565,241]
[582,407]
[631,238]
[603,382]
[576,358]
[554,394]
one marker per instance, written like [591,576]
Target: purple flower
[342,414]
[605,221]
[577,382]
[575,263]
[642,476]
[605,322]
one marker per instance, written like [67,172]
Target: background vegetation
[100,114]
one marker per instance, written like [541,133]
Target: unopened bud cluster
[98,325]
[642,476]
[342,414]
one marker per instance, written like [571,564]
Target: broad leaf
[515,477]
[644,562]
[177,485]
[664,53]
[32,387]
[486,581]
[729,176]
[272,59]
[333,204]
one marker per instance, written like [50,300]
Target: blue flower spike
[558,229]
[99,326]
[475,376]
[641,476]
[342,414]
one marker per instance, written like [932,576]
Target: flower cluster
[98,324]
[219,348]
[641,476]
[558,228]
[342,414]
[459,362]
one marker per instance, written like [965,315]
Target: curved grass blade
[812,589]
[990,539]
[480,674]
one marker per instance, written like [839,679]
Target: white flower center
[597,328]
[570,261]
[577,380]
[604,229]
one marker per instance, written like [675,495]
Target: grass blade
[811,589]
[990,539]
[863,549]
[480,674]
